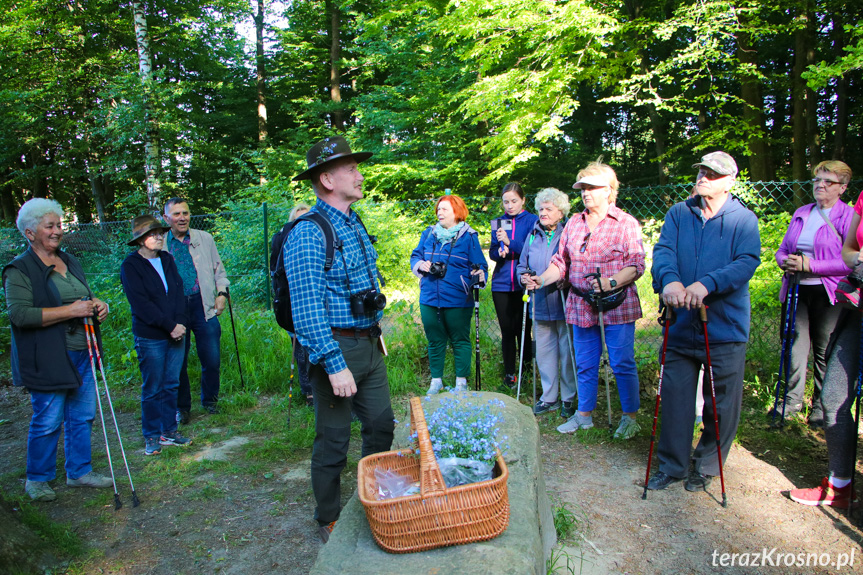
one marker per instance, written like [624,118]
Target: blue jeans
[207,336]
[620,342]
[75,408]
[159,361]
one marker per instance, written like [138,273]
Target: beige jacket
[212,277]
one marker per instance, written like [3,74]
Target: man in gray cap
[337,314]
[706,254]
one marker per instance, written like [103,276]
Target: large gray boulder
[522,549]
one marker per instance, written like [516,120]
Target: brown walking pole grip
[702,313]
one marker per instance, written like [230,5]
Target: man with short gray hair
[205,286]
[707,252]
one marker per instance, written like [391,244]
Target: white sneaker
[436,386]
[575,423]
[627,429]
[461,384]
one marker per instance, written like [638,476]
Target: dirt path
[230,518]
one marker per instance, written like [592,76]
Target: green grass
[57,537]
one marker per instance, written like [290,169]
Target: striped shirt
[321,300]
[614,244]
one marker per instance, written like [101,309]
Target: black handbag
[609,299]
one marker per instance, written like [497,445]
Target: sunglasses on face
[584,245]
[825,181]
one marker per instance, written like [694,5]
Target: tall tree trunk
[660,139]
[840,123]
[798,99]
[753,111]
[260,82]
[335,73]
[151,139]
[813,133]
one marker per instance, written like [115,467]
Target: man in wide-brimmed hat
[337,316]
[707,252]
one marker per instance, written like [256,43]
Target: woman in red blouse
[604,237]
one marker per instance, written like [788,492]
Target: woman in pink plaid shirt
[602,236]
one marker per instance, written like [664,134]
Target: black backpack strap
[331,241]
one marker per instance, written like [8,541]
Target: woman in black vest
[45,291]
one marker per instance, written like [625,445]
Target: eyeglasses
[825,181]
[156,234]
[709,174]
[584,245]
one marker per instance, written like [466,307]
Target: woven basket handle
[431,481]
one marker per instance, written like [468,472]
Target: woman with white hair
[47,297]
[553,354]
[602,236]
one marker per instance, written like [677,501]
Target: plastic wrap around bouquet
[438,515]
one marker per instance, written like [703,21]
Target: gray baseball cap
[719,162]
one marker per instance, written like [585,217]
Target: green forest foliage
[465,94]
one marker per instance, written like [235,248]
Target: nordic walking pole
[476,287]
[291,383]
[702,313]
[117,503]
[568,333]
[792,337]
[236,346]
[604,355]
[88,327]
[666,318]
[789,334]
[856,424]
[533,342]
[525,298]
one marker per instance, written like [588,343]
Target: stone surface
[521,549]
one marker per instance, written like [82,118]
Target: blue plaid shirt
[321,301]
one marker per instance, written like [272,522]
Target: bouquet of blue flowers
[465,436]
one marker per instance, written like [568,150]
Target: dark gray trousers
[816,321]
[679,385]
[333,420]
[839,393]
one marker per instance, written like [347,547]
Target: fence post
[266,256]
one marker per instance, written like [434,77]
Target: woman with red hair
[443,260]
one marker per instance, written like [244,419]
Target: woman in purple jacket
[818,231]
[508,233]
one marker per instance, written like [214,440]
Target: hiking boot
[816,417]
[576,422]
[460,384]
[825,494]
[627,429]
[567,410]
[790,410]
[212,409]
[39,491]
[151,446]
[542,407]
[91,479]
[183,416]
[435,387]
[661,480]
[174,439]
[697,481]
[509,380]
[324,530]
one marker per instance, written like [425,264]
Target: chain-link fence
[243,239]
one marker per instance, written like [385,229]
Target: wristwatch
[224,293]
[612,283]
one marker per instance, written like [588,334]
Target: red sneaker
[825,494]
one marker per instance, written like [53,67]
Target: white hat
[595,180]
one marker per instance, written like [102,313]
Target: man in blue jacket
[706,254]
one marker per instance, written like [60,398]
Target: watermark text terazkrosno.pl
[775,558]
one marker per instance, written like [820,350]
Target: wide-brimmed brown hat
[327,150]
[144,224]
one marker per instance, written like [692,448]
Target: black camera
[437,269]
[368,301]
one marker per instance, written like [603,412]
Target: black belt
[374,331]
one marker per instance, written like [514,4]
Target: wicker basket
[438,516]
